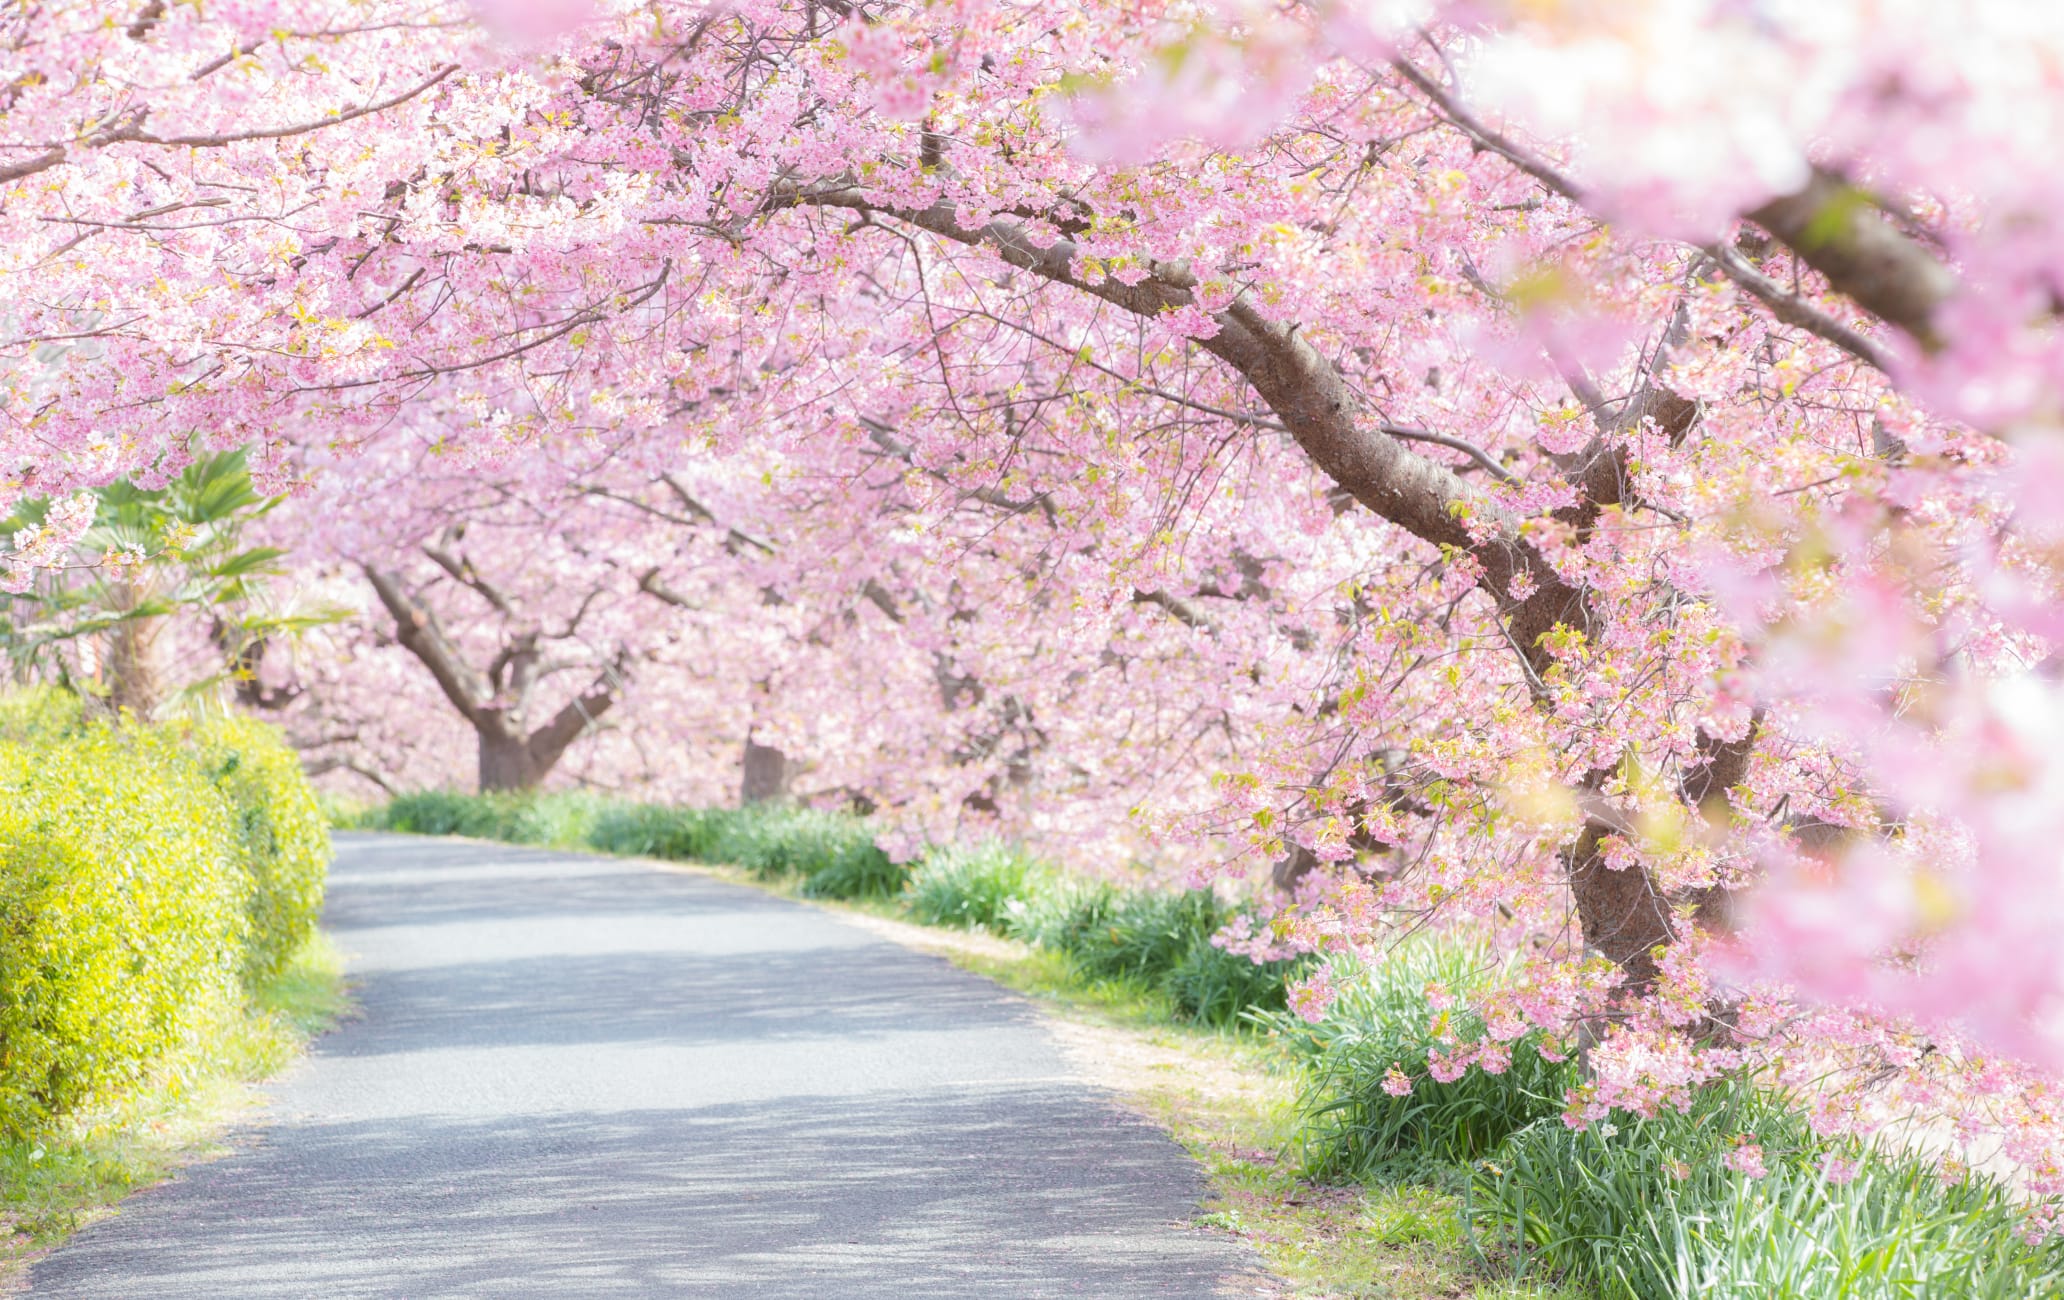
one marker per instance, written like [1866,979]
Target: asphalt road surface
[579,1076]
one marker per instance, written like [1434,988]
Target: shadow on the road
[495,969]
[1016,1193]
[427,881]
[678,997]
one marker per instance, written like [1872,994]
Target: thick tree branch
[1838,231]
[1311,398]
[315,767]
[733,537]
[417,630]
[462,572]
[1859,252]
[879,596]
[649,582]
[1622,913]
[884,437]
[1181,610]
[573,720]
[1792,309]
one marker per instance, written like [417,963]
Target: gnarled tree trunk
[766,774]
[506,763]
[512,755]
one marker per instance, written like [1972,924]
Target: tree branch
[462,572]
[417,630]
[1314,402]
[574,719]
[649,583]
[1786,306]
[130,130]
[1182,611]
[1837,230]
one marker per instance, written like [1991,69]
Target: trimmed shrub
[281,830]
[122,914]
[1353,1128]
[146,872]
[40,715]
[1648,1209]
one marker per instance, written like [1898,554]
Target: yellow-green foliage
[28,715]
[284,837]
[131,872]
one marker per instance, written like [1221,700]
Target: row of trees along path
[1581,472]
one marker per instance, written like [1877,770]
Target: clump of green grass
[987,887]
[1353,1127]
[560,820]
[1158,940]
[1163,939]
[1648,1209]
[1065,914]
[834,853]
[653,831]
[1631,1208]
[1141,934]
[1214,987]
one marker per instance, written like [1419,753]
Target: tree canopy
[1578,466]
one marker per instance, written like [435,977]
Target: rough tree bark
[134,666]
[766,774]
[134,663]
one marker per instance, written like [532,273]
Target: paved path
[580,1076]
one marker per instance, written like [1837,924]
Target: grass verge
[56,1184]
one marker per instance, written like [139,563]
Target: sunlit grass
[1647,1209]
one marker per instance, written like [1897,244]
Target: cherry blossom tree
[1575,467]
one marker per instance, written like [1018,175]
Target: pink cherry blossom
[1746,1159]
[1578,475]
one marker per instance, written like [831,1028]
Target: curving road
[579,1076]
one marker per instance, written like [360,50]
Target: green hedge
[145,873]
[282,836]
